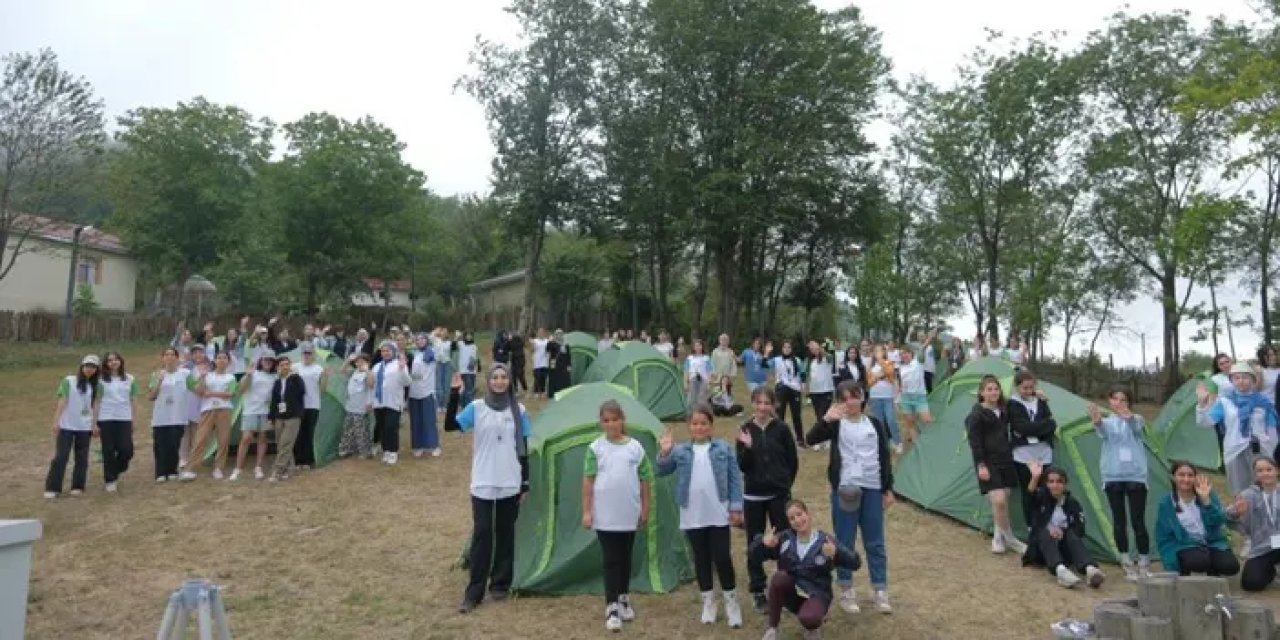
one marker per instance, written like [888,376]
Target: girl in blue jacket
[709,494]
[1189,527]
[1124,478]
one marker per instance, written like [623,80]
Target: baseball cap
[91,359]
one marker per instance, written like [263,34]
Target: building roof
[499,281]
[61,231]
[376,284]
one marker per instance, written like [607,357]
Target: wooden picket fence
[1097,381]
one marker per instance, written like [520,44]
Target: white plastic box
[16,539]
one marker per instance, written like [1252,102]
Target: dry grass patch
[360,551]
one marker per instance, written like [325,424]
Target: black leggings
[1259,572]
[1134,494]
[304,453]
[1207,560]
[387,423]
[1028,498]
[616,548]
[755,513]
[117,447]
[821,402]
[68,442]
[493,546]
[165,440]
[711,549]
[540,379]
[788,397]
[518,381]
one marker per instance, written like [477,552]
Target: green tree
[85,303]
[51,131]
[183,183]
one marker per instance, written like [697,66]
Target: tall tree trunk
[1213,307]
[700,290]
[530,276]
[1102,324]
[993,264]
[1169,298]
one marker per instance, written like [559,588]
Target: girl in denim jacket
[709,494]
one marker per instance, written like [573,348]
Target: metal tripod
[204,599]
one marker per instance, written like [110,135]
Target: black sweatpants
[790,398]
[616,547]
[755,513]
[165,441]
[540,379]
[1207,560]
[117,447]
[518,380]
[1259,572]
[387,426]
[1068,550]
[821,402]
[67,442]
[493,545]
[1133,495]
[928,382]
[711,550]
[304,452]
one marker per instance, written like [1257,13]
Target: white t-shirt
[311,382]
[1269,376]
[394,379]
[1189,518]
[257,397]
[174,395]
[803,546]
[930,359]
[1013,355]
[894,356]
[704,509]
[911,377]
[1058,518]
[619,468]
[787,372]
[698,367]
[116,398]
[1034,450]
[442,348]
[467,360]
[665,348]
[540,353]
[78,414]
[423,376]
[235,357]
[882,388]
[495,467]
[221,383]
[821,379]
[358,392]
[859,453]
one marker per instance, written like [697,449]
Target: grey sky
[398,61]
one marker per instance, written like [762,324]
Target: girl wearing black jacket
[861,477]
[1031,431]
[805,560]
[993,459]
[285,412]
[769,464]
[1057,529]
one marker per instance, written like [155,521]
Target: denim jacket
[723,463]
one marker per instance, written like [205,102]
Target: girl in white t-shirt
[616,481]
[697,373]
[73,428]
[254,409]
[1270,366]
[117,405]
[169,391]
[216,389]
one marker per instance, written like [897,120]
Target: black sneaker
[466,607]
[760,603]
[498,596]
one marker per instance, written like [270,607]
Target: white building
[38,279]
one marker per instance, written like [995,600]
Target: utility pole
[1231,341]
[68,311]
[1144,350]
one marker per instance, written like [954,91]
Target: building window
[87,272]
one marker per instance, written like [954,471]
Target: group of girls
[551,361]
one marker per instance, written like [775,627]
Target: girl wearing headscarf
[559,365]
[468,367]
[388,381]
[423,434]
[499,480]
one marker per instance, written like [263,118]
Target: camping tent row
[938,472]
[652,378]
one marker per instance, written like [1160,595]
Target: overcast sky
[398,62]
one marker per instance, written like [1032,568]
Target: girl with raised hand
[499,481]
[199,365]
[697,374]
[1031,431]
[755,370]
[169,390]
[802,583]
[355,424]
[117,406]
[314,377]
[724,364]
[1270,367]
[424,435]
[73,428]
[388,382]
[789,372]
[861,477]
[914,399]
[254,424]
[1248,419]
[709,494]
[769,463]
[1124,479]
[955,355]
[882,380]
[820,373]
[1189,527]
[216,389]
[853,369]
[616,481]
[1057,529]
[1256,514]
[988,433]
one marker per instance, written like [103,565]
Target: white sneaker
[76,493]
[257,473]
[182,464]
[1094,576]
[435,453]
[625,610]
[770,634]
[393,458]
[160,479]
[732,610]
[235,474]
[612,621]
[1130,569]
[273,478]
[1066,577]
[187,476]
[849,601]
[1014,544]
[217,474]
[174,478]
[997,543]
[1144,566]
[376,450]
[882,602]
[708,607]
[111,487]
[418,453]
[49,495]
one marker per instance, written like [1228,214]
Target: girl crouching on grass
[1254,514]
[355,426]
[1190,532]
[615,502]
[1057,529]
[802,583]
[254,424]
[709,494]
[73,428]
[769,462]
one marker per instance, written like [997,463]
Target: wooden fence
[1096,382]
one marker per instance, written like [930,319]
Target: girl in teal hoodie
[1190,527]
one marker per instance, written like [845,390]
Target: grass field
[358,550]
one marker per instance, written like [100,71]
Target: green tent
[1175,435]
[653,378]
[332,412]
[937,473]
[555,555]
[583,349]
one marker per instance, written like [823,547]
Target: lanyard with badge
[1268,501]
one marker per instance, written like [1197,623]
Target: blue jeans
[468,389]
[882,409]
[444,372]
[870,518]
[422,423]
